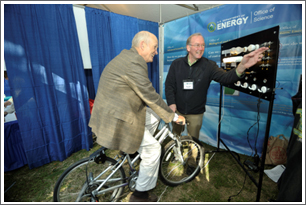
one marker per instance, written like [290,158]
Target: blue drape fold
[153,68]
[100,41]
[14,155]
[109,34]
[47,81]
[123,29]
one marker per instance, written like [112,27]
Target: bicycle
[101,178]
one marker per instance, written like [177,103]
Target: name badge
[188,84]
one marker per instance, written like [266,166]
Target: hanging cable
[222,112]
[257,122]
[229,198]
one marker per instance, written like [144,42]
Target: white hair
[141,36]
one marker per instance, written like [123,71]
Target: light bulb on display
[266,58]
[238,83]
[245,85]
[253,87]
[263,89]
[235,59]
[232,51]
[252,47]
[239,50]
[265,65]
[265,44]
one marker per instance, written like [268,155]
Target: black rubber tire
[173,172]
[73,180]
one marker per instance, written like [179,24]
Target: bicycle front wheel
[78,182]
[181,164]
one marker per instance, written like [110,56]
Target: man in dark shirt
[189,78]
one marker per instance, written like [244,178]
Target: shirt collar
[190,64]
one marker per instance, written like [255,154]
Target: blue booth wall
[109,34]
[239,112]
[47,79]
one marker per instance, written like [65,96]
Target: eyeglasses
[198,46]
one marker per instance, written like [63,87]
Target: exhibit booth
[54,56]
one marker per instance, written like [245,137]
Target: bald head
[146,44]
[141,36]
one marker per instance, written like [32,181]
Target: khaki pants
[194,124]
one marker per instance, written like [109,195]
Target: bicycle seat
[98,152]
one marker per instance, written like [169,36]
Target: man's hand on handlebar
[181,120]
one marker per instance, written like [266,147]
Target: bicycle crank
[132,181]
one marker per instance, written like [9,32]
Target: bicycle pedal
[190,169]
[132,181]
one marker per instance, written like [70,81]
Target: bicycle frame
[160,137]
[165,131]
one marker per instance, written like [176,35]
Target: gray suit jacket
[119,111]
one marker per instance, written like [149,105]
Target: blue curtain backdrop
[123,29]
[7,89]
[100,41]
[109,34]
[153,68]
[47,81]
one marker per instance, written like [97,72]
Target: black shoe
[151,198]
[190,169]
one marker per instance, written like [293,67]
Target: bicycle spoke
[70,187]
[174,172]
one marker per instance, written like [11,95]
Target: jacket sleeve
[222,76]
[137,79]
[170,85]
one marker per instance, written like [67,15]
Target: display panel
[259,80]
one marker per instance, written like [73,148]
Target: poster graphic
[241,111]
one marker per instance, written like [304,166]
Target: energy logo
[211,27]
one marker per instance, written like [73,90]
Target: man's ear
[142,45]
[188,48]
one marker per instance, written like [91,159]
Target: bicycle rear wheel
[174,171]
[73,186]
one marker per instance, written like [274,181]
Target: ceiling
[160,13]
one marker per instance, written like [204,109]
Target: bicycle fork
[177,151]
